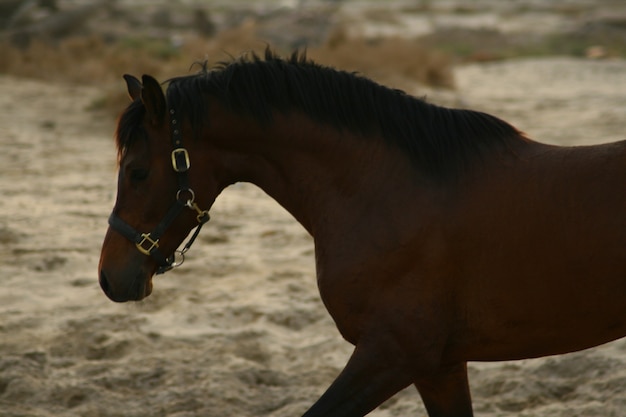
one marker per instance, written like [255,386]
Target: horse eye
[138,174]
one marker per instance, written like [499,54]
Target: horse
[442,236]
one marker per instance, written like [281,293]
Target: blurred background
[398,42]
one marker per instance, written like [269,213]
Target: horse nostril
[104,283]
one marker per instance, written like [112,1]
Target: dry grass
[90,60]
[82,60]
[398,62]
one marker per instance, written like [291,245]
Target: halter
[148,243]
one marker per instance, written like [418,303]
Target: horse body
[519,254]
[545,253]
[419,237]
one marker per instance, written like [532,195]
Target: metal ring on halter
[189,202]
[181,259]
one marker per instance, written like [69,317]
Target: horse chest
[402,287]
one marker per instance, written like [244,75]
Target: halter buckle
[180,160]
[202,215]
[146,238]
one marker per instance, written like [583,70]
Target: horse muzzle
[125,286]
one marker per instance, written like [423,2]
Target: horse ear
[153,99]
[134,87]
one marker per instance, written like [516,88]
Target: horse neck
[313,170]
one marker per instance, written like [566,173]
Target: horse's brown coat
[523,254]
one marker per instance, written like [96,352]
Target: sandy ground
[239,330]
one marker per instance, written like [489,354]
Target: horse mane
[439,140]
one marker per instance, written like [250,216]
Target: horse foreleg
[446,393]
[372,375]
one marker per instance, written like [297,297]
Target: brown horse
[442,236]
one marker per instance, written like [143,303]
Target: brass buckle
[154,244]
[203,215]
[180,160]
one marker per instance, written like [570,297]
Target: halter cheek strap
[148,243]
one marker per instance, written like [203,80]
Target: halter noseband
[148,243]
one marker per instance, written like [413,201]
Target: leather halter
[148,243]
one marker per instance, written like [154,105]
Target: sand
[239,330]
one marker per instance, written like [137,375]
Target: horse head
[156,206]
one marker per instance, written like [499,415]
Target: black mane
[439,140]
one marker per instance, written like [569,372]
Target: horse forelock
[128,127]
[439,140]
